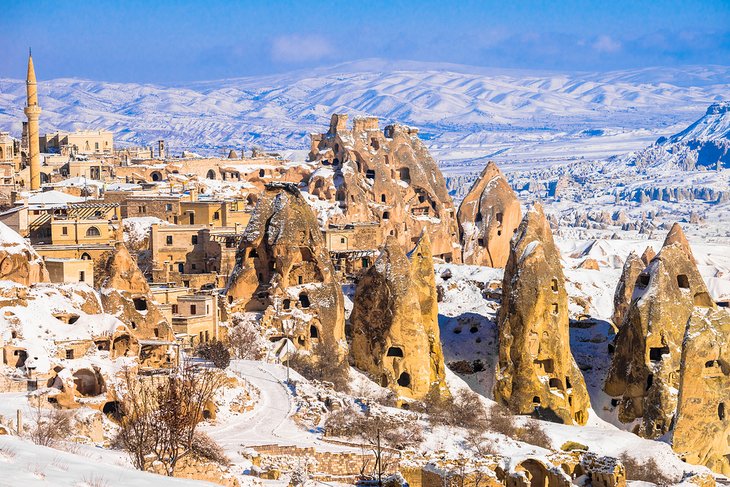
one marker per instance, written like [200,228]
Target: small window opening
[404,380]
[287,304]
[304,300]
[721,411]
[683,281]
[499,218]
[642,281]
[655,353]
[555,308]
[395,352]
[140,304]
[536,400]
[555,384]
[554,285]
[313,332]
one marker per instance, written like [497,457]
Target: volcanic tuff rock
[536,371]
[284,272]
[125,294]
[702,425]
[676,235]
[646,362]
[625,288]
[19,262]
[488,217]
[395,321]
[648,255]
[385,177]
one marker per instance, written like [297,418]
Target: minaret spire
[33,112]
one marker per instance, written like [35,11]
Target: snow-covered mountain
[481,111]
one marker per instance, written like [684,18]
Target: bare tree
[161,414]
[49,426]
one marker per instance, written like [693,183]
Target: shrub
[216,352]
[49,427]
[206,448]
[462,409]
[501,420]
[245,339]
[533,434]
[647,471]
[323,364]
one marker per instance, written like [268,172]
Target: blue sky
[169,41]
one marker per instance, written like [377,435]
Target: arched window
[211,174]
[156,176]
[93,232]
[85,256]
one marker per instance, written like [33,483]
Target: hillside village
[253,320]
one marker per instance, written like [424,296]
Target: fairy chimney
[395,322]
[488,217]
[644,373]
[676,236]
[648,255]
[19,262]
[284,273]
[625,288]
[536,373]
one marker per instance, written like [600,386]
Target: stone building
[283,272]
[78,142]
[385,177]
[488,217]
[536,373]
[395,334]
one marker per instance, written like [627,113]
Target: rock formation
[125,294]
[676,236]
[625,288]
[19,262]
[648,255]
[283,271]
[384,177]
[644,371]
[395,321]
[488,217]
[702,425]
[536,371]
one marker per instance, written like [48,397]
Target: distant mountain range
[454,106]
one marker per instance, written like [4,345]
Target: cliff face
[488,217]
[702,425]
[645,371]
[394,322]
[284,272]
[387,177]
[536,371]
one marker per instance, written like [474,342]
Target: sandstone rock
[284,272]
[488,217]
[394,321]
[648,255]
[536,371]
[625,287]
[386,177]
[676,235]
[125,294]
[590,264]
[702,425]
[645,367]
[19,262]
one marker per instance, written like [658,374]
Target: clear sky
[169,41]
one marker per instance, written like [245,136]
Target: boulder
[384,178]
[644,372]
[395,322]
[283,271]
[488,217]
[702,422]
[19,262]
[536,371]
[625,287]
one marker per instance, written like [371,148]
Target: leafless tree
[49,426]
[161,414]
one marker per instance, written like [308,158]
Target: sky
[178,41]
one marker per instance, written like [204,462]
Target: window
[386,215]
[383,198]
[655,353]
[643,280]
[93,232]
[554,285]
[395,352]
[721,411]
[193,309]
[216,215]
[194,240]
[168,207]
[174,309]
[478,218]
[370,174]
[82,276]
[64,230]
[499,218]
[343,240]
[555,308]
[555,384]
[156,331]
[683,281]
[140,304]
[313,332]
[69,353]
[262,173]
[168,240]
[404,380]
[207,338]
[287,303]
[193,266]
[304,300]
[96,145]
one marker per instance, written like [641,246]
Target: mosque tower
[33,112]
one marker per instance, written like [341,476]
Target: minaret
[33,112]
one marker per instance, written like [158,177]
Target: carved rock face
[702,422]
[386,177]
[645,371]
[395,322]
[284,272]
[488,217]
[19,262]
[536,371]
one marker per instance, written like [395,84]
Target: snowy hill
[714,125]
[482,111]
